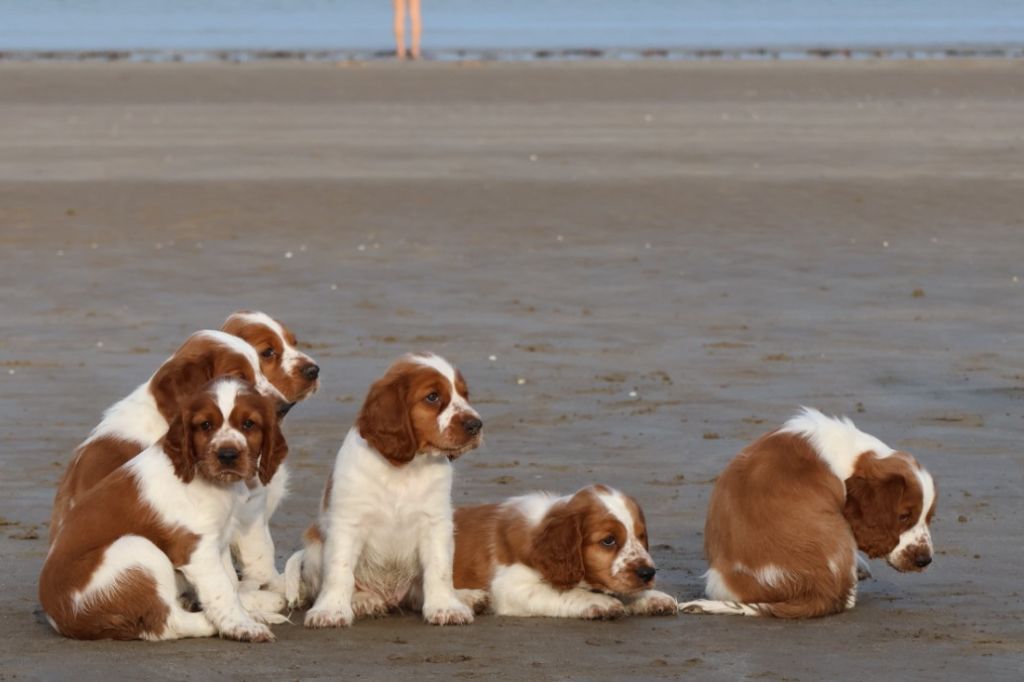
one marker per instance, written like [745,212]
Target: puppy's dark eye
[433,398]
[248,424]
[206,425]
[268,353]
[608,541]
[904,517]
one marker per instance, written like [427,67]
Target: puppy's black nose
[922,560]
[227,455]
[282,408]
[646,573]
[472,426]
[311,372]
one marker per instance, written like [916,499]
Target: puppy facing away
[789,513]
[111,572]
[578,556]
[384,538]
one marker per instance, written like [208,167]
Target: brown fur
[294,385]
[398,422]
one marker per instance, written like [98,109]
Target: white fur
[387,528]
[836,440]
[632,549]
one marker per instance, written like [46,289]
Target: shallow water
[608,25]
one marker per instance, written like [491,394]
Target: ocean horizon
[581,28]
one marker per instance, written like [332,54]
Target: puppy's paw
[369,605]
[654,603]
[603,607]
[249,631]
[452,613]
[478,600]
[329,618]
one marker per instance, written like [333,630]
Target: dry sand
[671,256]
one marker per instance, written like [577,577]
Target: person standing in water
[412,7]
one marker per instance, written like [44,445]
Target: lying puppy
[788,514]
[384,538]
[110,573]
[578,556]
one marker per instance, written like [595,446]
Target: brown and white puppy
[788,514]
[384,538]
[110,573]
[141,419]
[578,556]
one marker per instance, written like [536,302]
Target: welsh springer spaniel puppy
[577,556]
[789,513]
[110,572]
[384,538]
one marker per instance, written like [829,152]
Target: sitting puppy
[788,514]
[110,572]
[384,538]
[578,556]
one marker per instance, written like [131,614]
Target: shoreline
[809,53]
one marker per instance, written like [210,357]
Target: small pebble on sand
[334,287]
[520,381]
[492,358]
[60,252]
[533,157]
[288,254]
[99,344]
[361,247]
[559,238]
[10,371]
[632,394]
[885,245]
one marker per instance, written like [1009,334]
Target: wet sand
[665,259]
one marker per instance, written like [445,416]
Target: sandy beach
[639,267]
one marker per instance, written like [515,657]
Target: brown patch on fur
[93,461]
[270,347]
[313,535]
[778,504]
[399,421]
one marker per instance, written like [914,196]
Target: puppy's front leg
[333,607]
[217,589]
[441,605]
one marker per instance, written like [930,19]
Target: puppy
[788,514]
[110,573]
[577,556]
[384,538]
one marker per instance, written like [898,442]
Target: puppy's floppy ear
[177,443]
[384,421]
[872,510]
[275,448]
[558,548]
[180,377]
